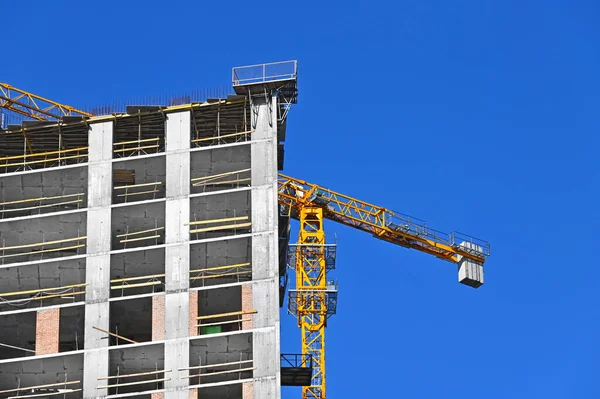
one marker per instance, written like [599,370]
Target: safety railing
[135,190]
[208,370]
[236,224]
[262,73]
[8,208]
[64,292]
[41,248]
[236,178]
[297,360]
[219,139]
[124,380]
[131,148]
[44,159]
[153,281]
[141,235]
[239,270]
[470,244]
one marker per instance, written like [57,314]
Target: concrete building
[140,252]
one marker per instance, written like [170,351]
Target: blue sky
[480,117]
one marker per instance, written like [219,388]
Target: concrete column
[265,268]
[98,261]
[177,262]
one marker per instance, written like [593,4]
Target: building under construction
[144,253]
[139,250]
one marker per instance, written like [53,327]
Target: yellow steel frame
[311,283]
[381,222]
[311,204]
[34,106]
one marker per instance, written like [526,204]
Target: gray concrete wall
[98,260]
[177,252]
[265,251]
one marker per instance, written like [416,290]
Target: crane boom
[383,223]
[315,297]
[34,106]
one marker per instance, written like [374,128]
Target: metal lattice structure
[315,297]
[33,106]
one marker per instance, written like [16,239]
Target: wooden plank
[200,184]
[137,185]
[223,322]
[43,251]
[43,395]
[43,243]
[220,275]
[138,193]
[115,335]
[221,137]
[126,384]
[139,239]
[144,147]
[239,313]
[124,176]
[39,154]
[140,232]
[40,199]
[216,220]
[214,365]
[120,280]
[66,287]
[57,384]
[39,298]
[15,347]
[230,226]
[220,372]
[220,267]
[210,177]
[137,141]
[116,287]
[43,161]
[110,377]
[41,206]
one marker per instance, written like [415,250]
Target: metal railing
[296,360]
[262,73]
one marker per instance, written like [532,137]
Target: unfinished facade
[139,252]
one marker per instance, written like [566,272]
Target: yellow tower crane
[315,297]
[34,106]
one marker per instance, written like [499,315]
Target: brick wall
[157,395]
[194,393]
[247,305]
[247,390]
[193,313]
[46,331]
[158,319]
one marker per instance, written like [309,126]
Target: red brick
[157,395]
[247,390]
[46,331]
[193,313]
[194,393]
[247,305]
[158,318]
